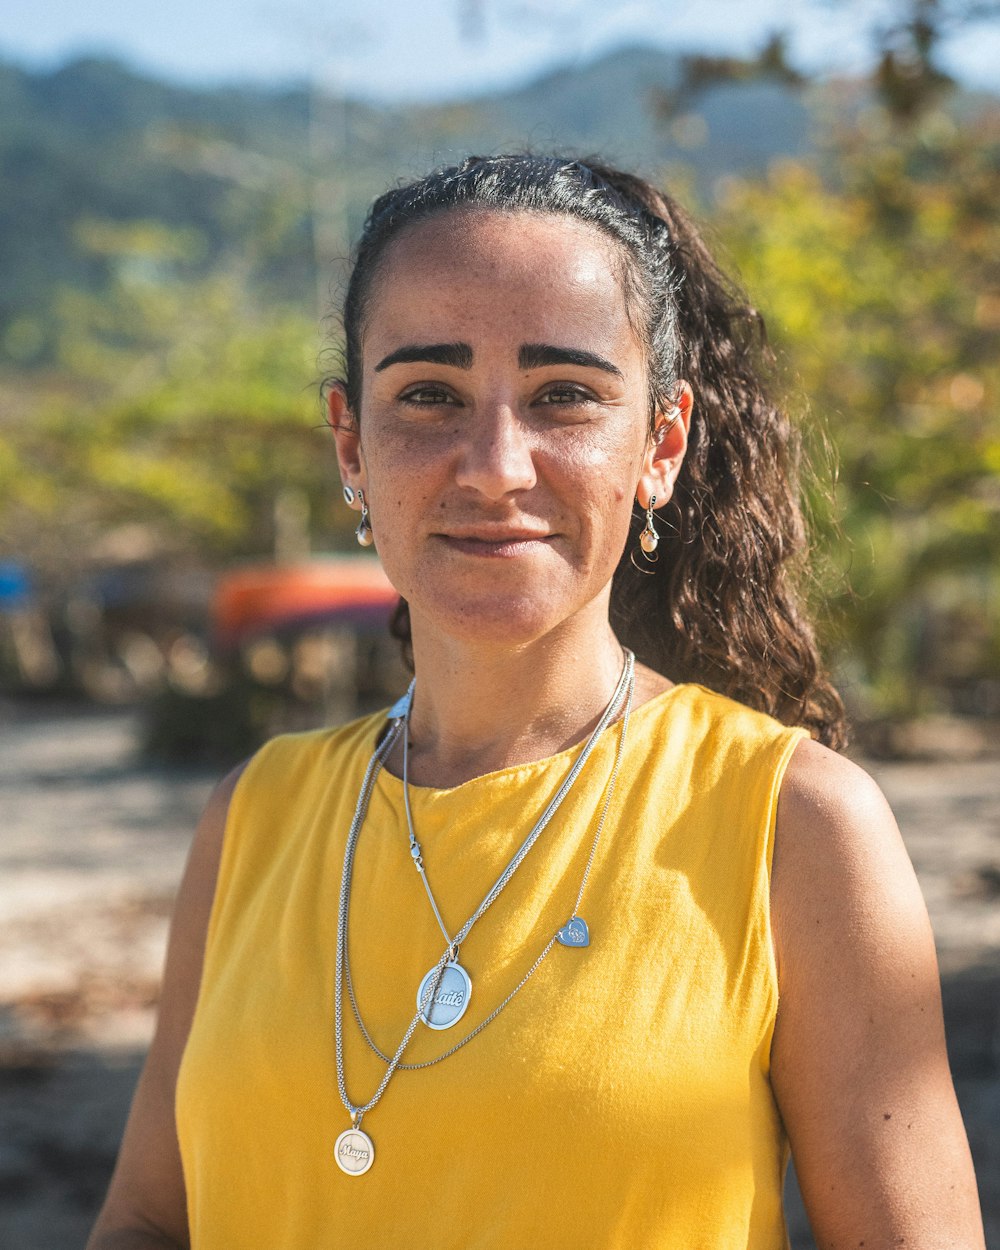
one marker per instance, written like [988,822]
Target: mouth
[495,543]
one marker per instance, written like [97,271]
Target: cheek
[605,465]
[598,481]
[399,468]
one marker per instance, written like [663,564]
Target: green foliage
[882,287]
[190,406]
[93,139]
[160,321]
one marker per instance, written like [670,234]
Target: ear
[347,438]
[665,453]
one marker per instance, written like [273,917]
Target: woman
[504,967]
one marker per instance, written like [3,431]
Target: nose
[496,456]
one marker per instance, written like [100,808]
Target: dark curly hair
[723,605]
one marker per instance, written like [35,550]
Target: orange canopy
[269,598]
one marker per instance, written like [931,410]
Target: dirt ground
[92,842]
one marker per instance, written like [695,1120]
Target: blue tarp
[15,586]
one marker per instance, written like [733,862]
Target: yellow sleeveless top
[620,1100]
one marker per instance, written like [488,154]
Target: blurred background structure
[178,194]
[172,252]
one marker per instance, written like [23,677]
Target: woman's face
[504,427]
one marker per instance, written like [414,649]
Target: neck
[478,708]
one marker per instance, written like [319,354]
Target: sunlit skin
[504,437]
[501,465]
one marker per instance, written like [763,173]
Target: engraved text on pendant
[354,1151]
[444,995]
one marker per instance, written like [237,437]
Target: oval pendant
[446,1004]
[354,1152]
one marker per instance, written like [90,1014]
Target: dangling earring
[364,533]
[649,539]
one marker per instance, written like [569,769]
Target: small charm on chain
[574,933]
[418,862]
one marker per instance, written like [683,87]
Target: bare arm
[859,1066]
[146,1207]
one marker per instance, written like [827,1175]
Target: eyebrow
[537,355]
[457,354]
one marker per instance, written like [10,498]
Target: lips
[498,533]
[495,542]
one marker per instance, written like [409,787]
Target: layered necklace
[444,992]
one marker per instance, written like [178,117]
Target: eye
[564,394]
[427,396]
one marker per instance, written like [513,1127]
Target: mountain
[611,106]
[93,141]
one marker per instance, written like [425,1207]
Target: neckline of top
[518,771]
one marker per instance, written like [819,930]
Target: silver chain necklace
[354,1149]
[452,987]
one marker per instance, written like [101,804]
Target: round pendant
[354,1152]
[446,1004]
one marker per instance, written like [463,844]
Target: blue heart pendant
[574,933]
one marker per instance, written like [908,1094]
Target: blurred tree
[94,136]
[188,409]
[700,73]
[907,38]
[882,285]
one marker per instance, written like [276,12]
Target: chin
[500,605]
[499,620]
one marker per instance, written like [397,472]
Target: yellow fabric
[620,1100]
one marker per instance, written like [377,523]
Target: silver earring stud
[348,495]
[364,533]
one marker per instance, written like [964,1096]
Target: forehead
[532,275]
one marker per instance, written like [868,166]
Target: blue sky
[437,48]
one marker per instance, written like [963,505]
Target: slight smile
[495,544]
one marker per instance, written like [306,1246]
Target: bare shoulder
[823,792]
[847,911]
[192,912]
[147,1195]
[838,855]
[198,885]
[858,1061]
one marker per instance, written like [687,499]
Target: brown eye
[427,396]
[565,396]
